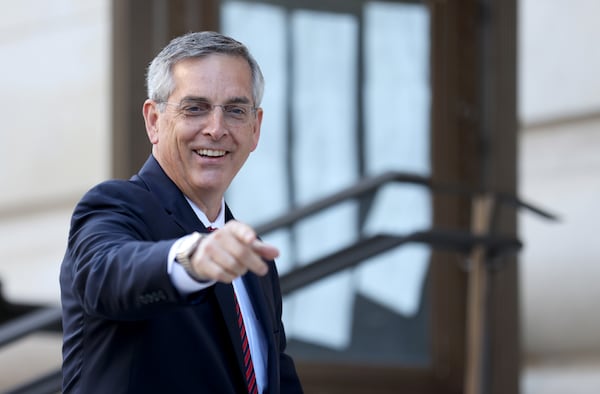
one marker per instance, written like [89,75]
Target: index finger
[265,250]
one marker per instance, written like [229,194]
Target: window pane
[397,113]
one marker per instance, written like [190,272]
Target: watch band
[185,252]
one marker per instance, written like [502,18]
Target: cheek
[170,134]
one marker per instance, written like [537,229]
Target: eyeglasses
[234,114]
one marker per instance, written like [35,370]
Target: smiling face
[202,154]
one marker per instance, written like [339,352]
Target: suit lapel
[169,196]
[261,305]
[259,292]
[224,295]
[260,302]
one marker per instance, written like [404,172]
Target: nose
[215,123]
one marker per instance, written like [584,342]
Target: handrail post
[481,225]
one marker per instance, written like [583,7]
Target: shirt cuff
[182,281]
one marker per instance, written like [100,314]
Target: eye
[196,109]
[235,109]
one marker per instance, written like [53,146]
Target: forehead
[215,76]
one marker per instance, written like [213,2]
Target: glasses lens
[234,114]
[195,108]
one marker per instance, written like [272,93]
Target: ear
[151,116]
[256,128]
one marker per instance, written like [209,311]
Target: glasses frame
[230,117]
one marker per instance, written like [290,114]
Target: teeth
[211,152]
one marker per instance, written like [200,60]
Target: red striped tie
[248,365]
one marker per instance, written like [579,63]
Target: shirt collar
[218,223]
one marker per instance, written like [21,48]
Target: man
[155,300]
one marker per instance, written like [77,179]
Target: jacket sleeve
[116,260]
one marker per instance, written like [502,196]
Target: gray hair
[159,78]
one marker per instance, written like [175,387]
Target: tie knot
[210,229]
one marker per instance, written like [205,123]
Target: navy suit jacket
[126,327]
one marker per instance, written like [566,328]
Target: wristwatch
[185,251]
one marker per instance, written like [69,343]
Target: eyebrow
[233,100]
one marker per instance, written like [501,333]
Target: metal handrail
[369,247]
[49,383]
[43,318]
[31,322]
[369,185]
